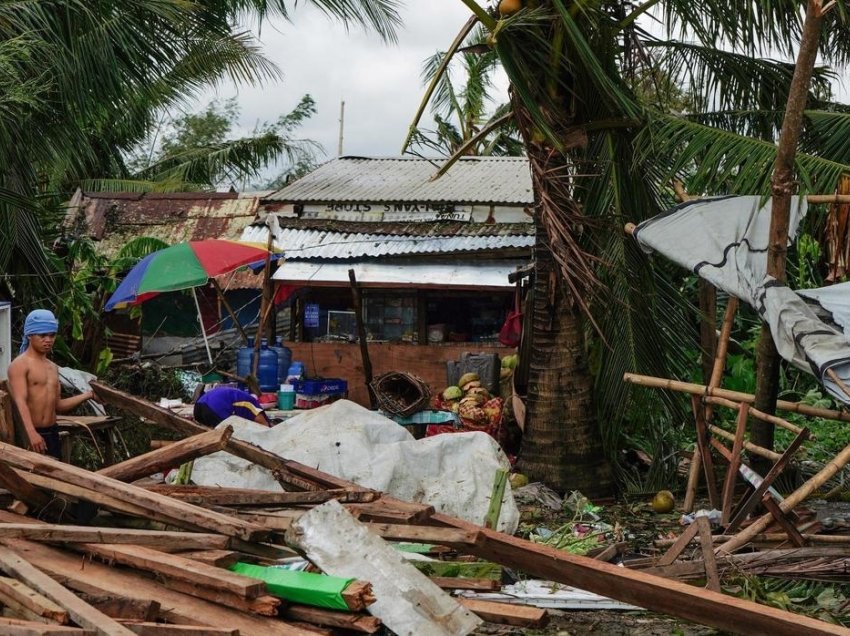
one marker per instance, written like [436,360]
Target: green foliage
[822,600]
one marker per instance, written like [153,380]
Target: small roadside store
[431,258]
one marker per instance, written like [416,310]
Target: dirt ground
[603,622]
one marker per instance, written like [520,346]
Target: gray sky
[379,82]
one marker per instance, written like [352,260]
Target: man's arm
[67,404]
[19,389]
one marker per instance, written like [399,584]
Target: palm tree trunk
[767,371]
[562,445]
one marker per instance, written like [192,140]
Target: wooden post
[713,382]
[361,336]
[783,184]
[264,304]
[705,451]
[779,515]
[752,501]
[233,316]
[732,470]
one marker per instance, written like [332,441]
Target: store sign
[389,212]
[311,315]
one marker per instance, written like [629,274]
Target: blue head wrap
[38,321]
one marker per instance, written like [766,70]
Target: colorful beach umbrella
[183,266]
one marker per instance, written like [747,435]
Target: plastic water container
[284,359]
[267,370]
[286,397]
[244,357]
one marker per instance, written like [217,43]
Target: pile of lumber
[114,553]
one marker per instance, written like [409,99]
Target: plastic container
[244,356]
[286,397]
[267,370]
[321,386]
[284,359]
[295,372]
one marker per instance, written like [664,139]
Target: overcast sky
[379,82]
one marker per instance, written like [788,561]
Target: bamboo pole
[754,412]
[753,448]
[714,381]
[827,472]
[736,396]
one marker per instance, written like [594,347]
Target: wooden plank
[184,426]
[161,629]
[734,463]
[678,547]
[22,489]
[383,512]
[88,534]
[176,607]
[752,501]
[170,456]
[124,607]
[183,513]
[507,614]
[17,627]
[244,497]
[7,422]
[458,583]
[329,618]
[81,612]
[790,529]
[424,534]
[263,605]
[216,558]
[358,595]
[15,594]
[710,563]
[705,452]
[177,567]
[638,588]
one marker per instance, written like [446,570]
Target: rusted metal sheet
[114,218]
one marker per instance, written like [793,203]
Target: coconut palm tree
[601,154]
[462,111]
[83,81]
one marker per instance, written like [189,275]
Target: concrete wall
[342,360]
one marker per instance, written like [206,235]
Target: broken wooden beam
[506,613]
[330,618]
[161,629]
[170,456]
[81,612]
[184,426]
[58,533]
[19,627]
[182,514]
[30,604]
[174,566]
[460,583]
[246,497]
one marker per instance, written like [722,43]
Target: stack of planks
[155,558]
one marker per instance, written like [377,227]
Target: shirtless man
[34,384]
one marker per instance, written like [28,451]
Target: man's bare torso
[42,388]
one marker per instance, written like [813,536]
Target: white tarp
[452,472]
[724,240]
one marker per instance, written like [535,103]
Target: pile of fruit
[477,409]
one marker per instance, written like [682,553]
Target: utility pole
[341,127]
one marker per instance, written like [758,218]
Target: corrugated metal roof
[341,240]
[472,180]
[114,218]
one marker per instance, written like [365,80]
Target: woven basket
[401,393]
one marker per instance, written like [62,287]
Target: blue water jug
[244,356]
[267,370]
[284,359]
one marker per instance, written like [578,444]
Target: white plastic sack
[453,472]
